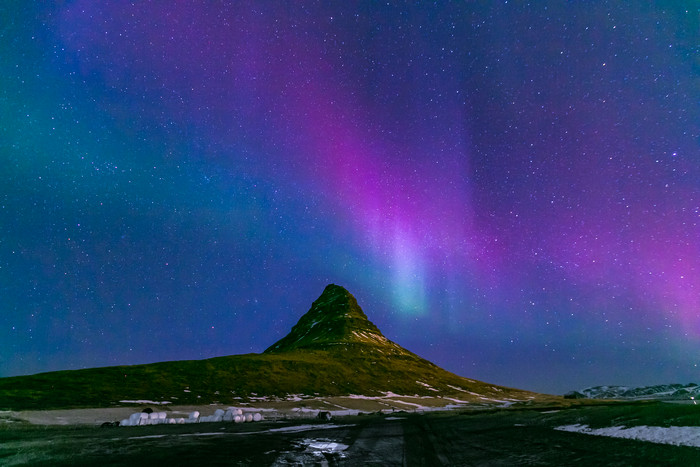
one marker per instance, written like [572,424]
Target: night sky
[510,190]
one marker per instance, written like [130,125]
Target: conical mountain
[353,357]
[334,319]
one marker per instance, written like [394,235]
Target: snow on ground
[344,413]
[305,410]
[456,400]
[427,386]
[273,409]
[287,429]
[417,406]
[398,400]
[144,401]
[676,435]
[504,403]
[457,389]
[335,413]
[335,405]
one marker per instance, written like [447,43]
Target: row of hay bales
[160,418]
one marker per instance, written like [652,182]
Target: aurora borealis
[510,190]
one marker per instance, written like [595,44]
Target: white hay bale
[194,415]
[171,421]
[248,417]
[239,419]
[153,416]
[162,415]
[134,418]
[235,411]
[228,416]
[257,417]
[219,413]
[180,421]
[125,422]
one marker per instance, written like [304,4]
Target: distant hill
[333,350]
[658,392]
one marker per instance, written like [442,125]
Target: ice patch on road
[147,437]
[297,428]
[285,429]
[322,446]
[311,451]
[676,435]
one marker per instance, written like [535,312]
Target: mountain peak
[334,318]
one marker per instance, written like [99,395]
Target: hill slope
[333,350]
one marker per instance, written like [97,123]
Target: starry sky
[510,189]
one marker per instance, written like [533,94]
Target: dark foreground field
[503,437]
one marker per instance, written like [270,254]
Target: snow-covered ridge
[689,391]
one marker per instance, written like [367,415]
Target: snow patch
[427,386]
[456,400]
[676,435]
[417,406]
[145,401]
[457,388]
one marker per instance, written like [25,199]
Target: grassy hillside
[353,369]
